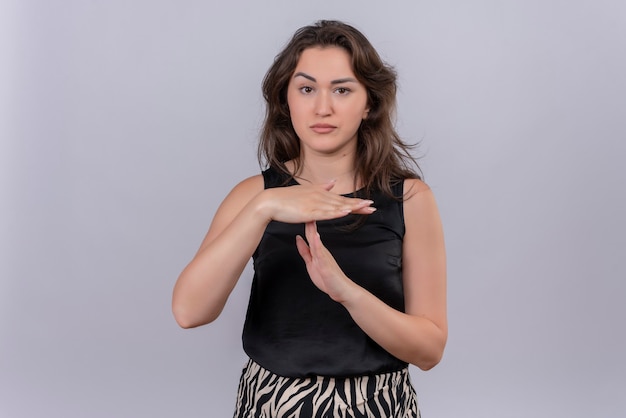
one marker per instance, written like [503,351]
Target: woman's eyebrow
[308,77]
[338,81]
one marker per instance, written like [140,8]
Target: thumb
[303,249]
[329,185]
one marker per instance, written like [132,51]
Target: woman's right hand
[307,203]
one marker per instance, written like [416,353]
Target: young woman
[350,283]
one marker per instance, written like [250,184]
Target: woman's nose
[323,105]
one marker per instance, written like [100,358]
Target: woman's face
[326,102]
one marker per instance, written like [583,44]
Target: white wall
[124,124]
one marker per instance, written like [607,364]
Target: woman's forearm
[203,287]
[416,340]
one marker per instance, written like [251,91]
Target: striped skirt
[263,394]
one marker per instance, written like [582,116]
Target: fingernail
[371,209]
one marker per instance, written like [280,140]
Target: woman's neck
[323,169]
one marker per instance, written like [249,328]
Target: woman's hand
[307,203]
[321,265]
[418,335]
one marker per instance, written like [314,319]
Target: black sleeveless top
[294,329]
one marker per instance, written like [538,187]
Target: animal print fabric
[263,394]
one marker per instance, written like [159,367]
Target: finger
[303,249]
[348,204]
[365,211]
[336,206]
[329,185]
[309,231]
[360,206]
[365,202]
[313,237]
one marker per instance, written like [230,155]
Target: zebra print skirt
[263,394]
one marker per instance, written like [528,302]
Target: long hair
[382,158]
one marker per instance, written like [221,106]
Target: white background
[125,123]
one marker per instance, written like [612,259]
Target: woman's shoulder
[244,191]
[403,189]
[269,177]
[419,201]
[250,185]
[414,186]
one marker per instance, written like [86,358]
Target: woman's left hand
[321,265]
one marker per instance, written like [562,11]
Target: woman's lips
[323,128]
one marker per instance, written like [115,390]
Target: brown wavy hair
[382,158]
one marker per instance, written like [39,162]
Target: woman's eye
[306,89]
[342,90]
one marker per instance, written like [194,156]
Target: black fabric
[294,329]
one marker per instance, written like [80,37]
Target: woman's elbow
[186,319]
[428,363]
[430,357]
[184,322]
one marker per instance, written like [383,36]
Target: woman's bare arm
[206,282]
[204,286]
[419,335]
